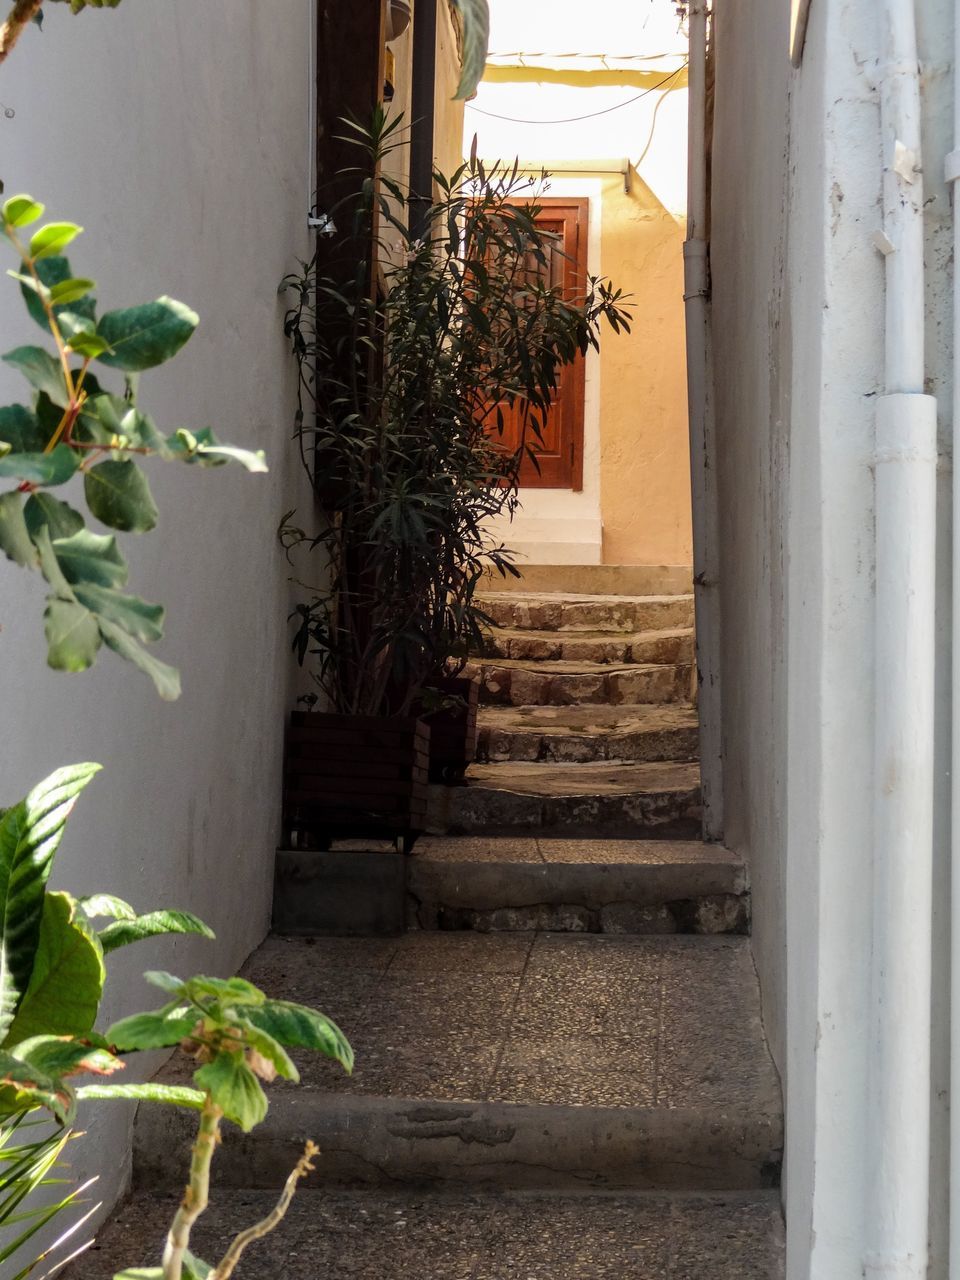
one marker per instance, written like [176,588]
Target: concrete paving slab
[569,1060]
[510,1236]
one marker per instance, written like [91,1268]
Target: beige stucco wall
[644,451]
[635,503]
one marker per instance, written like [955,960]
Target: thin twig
[273,1219]
[23,12]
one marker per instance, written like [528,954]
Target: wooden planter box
[453,731]
[354,776]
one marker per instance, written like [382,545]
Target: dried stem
[23,12]
[197,1194]
[272,1220]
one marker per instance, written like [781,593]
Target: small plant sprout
[238,1037]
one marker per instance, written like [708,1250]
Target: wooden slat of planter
[321,766]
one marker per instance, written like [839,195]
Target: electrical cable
[590,115]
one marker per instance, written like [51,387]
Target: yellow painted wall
[644,451]
[640,482]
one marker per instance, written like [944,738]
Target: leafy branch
[77,429]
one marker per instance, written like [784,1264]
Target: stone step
[504,681]
[629,801]
[596,579]
[580,886]
[672,645]
[578,735]
[538,1061]
[512,884]
[547,612]
[391,1235]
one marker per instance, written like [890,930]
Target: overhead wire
[590,114]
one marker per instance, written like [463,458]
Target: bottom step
[520,1236]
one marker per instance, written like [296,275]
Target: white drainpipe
[703,461]
[905,506]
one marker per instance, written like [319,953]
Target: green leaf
[476,39]
[164,1094]
[59,519]
[234,1089]
[20,211]
[21,429]
[139,619]
[165,678]
[119,496]
[41,370]
[270,1049]
[152,925]
[143,337]
[105,904]
[73,636]
[14,536]
[159,1030]
[204,449]
[40,1090]
[53,271]
[195,1268]
[89,345]
[295,1025]
[70,290]
[66,984]
[140,1273]
[53,468]
[87,557]
[30,834]
[53,239]
[231,991]
[63,1056]
[166,982]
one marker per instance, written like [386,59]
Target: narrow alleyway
[561,1068]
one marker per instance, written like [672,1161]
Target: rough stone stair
[561,1066]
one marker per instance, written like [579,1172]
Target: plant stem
[273,1219]
[197,1194]
[23,11]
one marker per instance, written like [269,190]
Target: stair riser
[377,1142]
[507,686]
[627,748]
[590,615]
[492,897]
[641,815]
[568,647]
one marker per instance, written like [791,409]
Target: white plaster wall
[751,354]
[178,135]
[799,370]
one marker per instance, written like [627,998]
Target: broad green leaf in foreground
[30,834]
[67,979]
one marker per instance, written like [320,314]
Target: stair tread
[358,1235]
[571,851]
[590,779]
[590,718]
[649,1024]
[598,634]
[570,597]
[570,666]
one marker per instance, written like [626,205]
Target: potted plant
[410,358]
